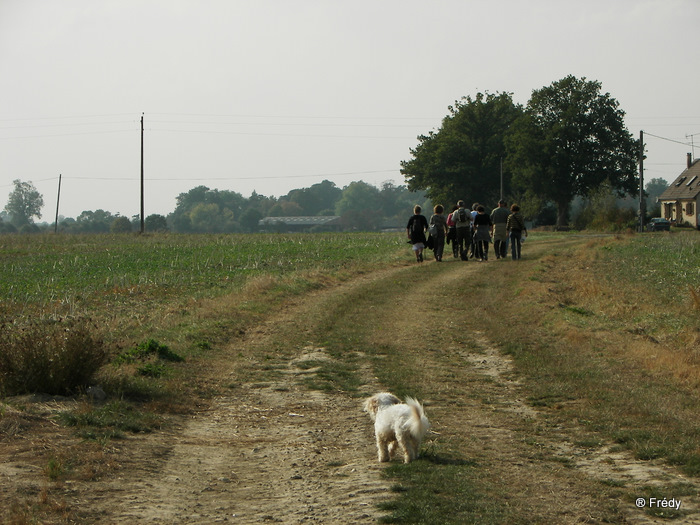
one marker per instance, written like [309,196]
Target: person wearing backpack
[438,225]
[462,219]
[516,228]
[452,232]
[499,217]
[415,229]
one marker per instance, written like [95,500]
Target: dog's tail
[419,422]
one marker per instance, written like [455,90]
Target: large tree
[319,199]
[98,221]
[203,210]
[570,140]
[462,160]
[24,203]
[360,207]
[654,188]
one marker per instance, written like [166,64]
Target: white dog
[397,424]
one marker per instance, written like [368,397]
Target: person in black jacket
[515,226]
[438,220]
[415,229]
[483,229]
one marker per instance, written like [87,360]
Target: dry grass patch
[595,303]
[608,354]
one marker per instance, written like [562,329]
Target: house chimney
[690,160]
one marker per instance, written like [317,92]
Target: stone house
[680,203]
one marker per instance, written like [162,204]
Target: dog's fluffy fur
[397,425]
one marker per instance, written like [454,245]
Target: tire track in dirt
[604,462]
[277,452]
[272,452]
[262,455]
[280,453]
[551,472]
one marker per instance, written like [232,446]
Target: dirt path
[267,453]
[277,452]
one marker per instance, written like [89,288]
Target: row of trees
[567,145]
[360,205]
[568,141]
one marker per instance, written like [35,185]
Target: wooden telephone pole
[501,178]
[642,200]
[143,223]
[58,201]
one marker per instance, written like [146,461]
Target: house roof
[298,221]
[686,186]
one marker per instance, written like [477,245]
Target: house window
[689,209]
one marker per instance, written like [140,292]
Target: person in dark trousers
[499,218]
[462,220]
[452,232]
[472,247]
[438,220]
[483,228]
[516,228]
[415,229]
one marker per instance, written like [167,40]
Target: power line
[201,179]
[263,134]
[65,117]
[77,133]
[315,175]
[64,125]
[646,133]
[284,124]
[294,117]
[41,180]
[677,117]
[184,125]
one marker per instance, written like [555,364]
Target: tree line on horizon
[566,157]
[360,206]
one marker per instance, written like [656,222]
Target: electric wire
[200,179]
[666,138]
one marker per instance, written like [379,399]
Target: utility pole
[692,145]
[143,223]
[58,200]
[642,201]
[501,178]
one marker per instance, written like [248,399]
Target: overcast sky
[272,95]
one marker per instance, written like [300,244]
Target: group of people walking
[469,231]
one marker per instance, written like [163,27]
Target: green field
[602,331]
[37,271]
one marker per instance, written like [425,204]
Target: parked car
[658,224]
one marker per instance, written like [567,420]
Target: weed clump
[111,420]
[52,357]
[149,356]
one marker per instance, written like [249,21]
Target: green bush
[149,358]
[111,420]
[150,348]
[157,369]
[52,357]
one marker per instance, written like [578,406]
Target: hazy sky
[272,95]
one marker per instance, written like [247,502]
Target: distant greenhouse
[301,224]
